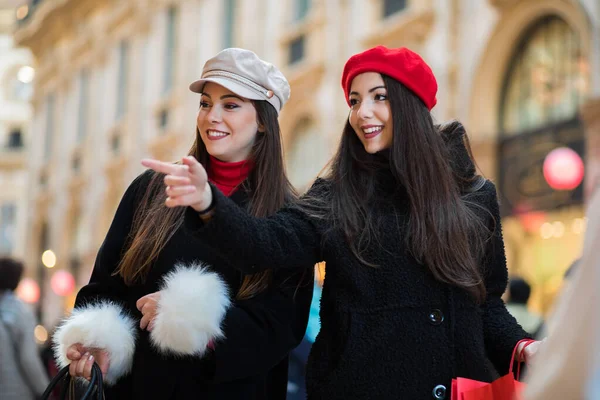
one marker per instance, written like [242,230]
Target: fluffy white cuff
[192,305]
[104,326]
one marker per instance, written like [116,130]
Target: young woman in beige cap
[165,316]
[410,234]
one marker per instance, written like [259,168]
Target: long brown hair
[445,231]
[267,185]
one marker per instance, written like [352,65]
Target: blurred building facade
[111,88]
[16,75]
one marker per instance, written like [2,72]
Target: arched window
[547,80]
[307,154]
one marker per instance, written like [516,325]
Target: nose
[365,111]
[214,115]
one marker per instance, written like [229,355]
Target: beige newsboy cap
[246,75]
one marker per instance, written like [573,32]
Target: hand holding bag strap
[96,382]
[514,353]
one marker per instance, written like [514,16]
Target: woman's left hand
[528,355]
[148,305]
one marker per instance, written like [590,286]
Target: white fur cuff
[104,326]
[192,305]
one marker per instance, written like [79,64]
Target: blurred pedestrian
[22,376]
[164,315]
[518,297]
[410,234]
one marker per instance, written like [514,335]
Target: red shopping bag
[505,388]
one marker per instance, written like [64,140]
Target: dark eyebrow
[370,90]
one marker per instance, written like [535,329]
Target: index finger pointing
[163,167]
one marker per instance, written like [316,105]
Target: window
[228,23]
[115,144]
[170,48]
[307,154]
[78,240]
[163,119]
[82,117]
[391,7]
[547,80]
[8,216]
[15,139]
[122,79]
[76,163]
[301,8]
[44,244]
[50,110]
[296,50]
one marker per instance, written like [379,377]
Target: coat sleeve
[261,331]
[501,330]
[99,319]
[289,239]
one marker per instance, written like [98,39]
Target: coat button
[439,392]
[436,317]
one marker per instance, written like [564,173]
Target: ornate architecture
[111,88]
[16,75]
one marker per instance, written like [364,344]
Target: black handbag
[96,384]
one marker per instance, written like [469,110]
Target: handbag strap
[99,382]
[514,353]
[96,383]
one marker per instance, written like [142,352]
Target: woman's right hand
[83,358]
[186,184]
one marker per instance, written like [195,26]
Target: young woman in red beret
[410,234]
[164,315]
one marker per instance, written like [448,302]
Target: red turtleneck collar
[227,176]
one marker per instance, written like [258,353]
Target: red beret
[402,64]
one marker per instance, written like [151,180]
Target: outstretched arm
[288,239]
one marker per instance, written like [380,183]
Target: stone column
[590,113]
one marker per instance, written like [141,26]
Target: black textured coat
[391,332]
[250,363]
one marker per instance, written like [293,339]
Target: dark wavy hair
[445,231]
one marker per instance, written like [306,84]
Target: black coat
[249,362]
[390,332]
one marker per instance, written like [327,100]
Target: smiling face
[227,123]
[371,114]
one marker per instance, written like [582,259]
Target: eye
[204,104]
[380,97]
[353,102]
[231,106]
